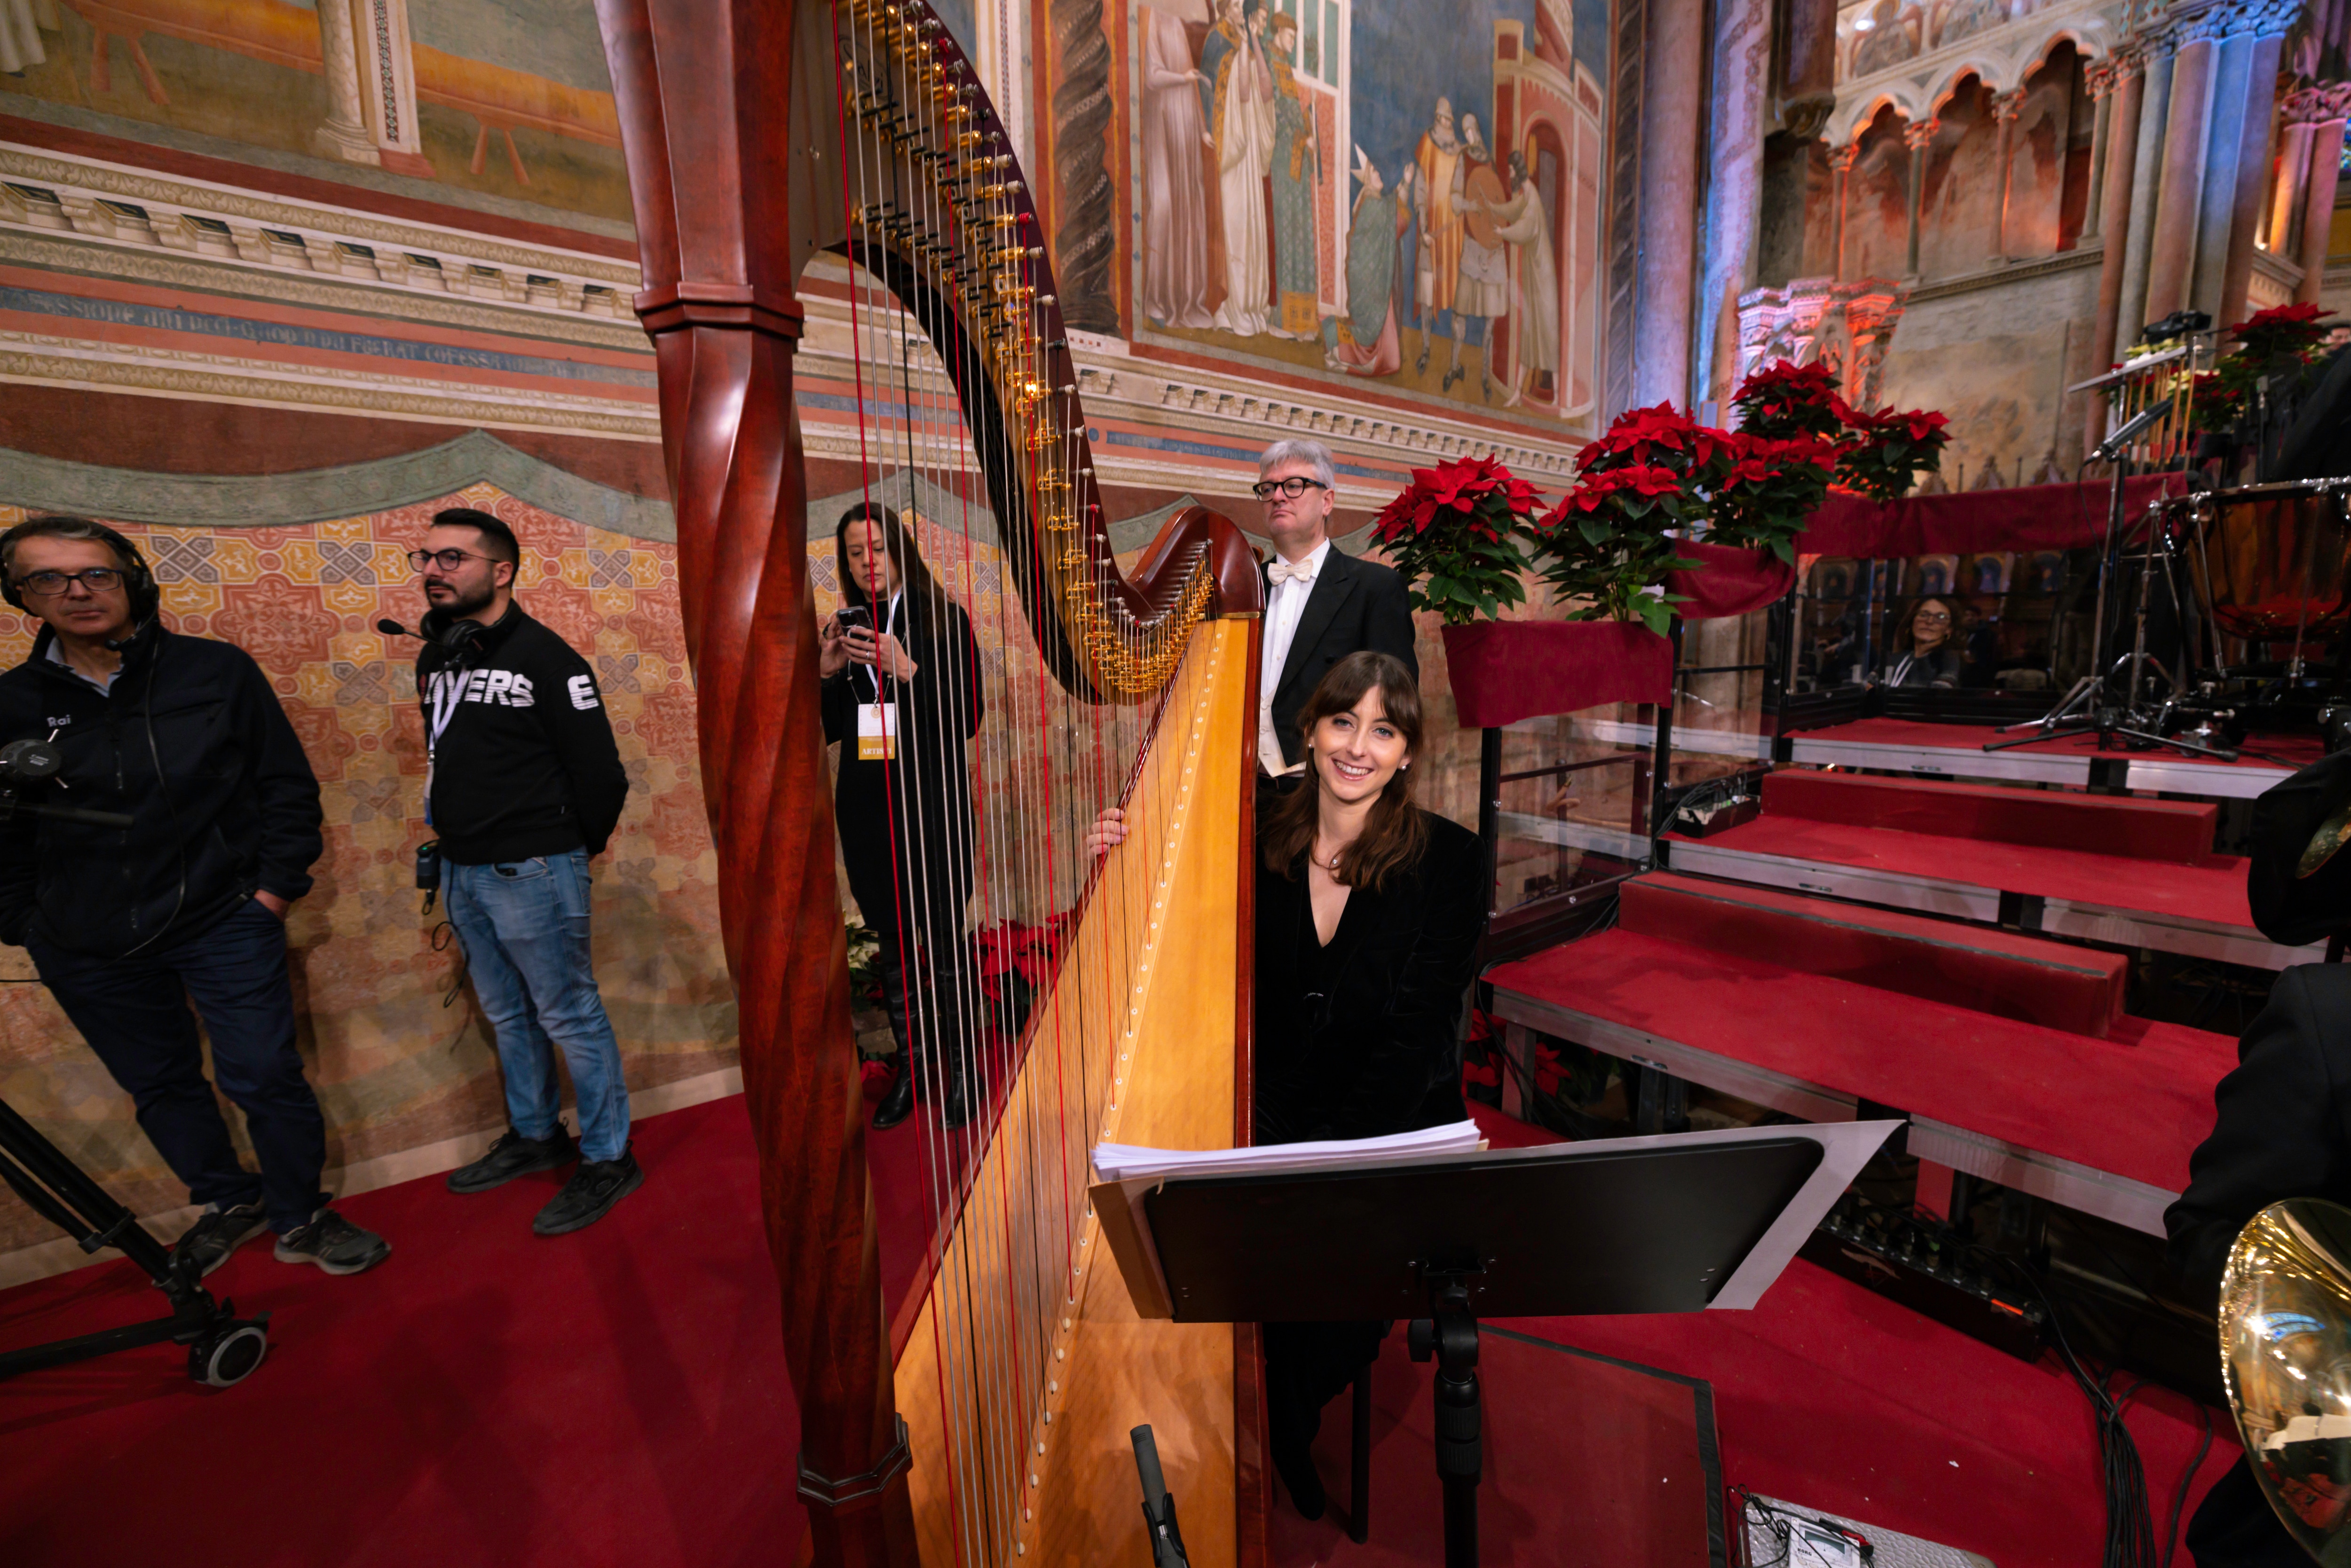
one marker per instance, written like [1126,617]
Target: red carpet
[484,1396]
[618,1397]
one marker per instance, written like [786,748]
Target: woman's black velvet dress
[1356,1038]
[906,826]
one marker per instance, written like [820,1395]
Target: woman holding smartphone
[901,695]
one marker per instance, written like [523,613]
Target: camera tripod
[222,1348]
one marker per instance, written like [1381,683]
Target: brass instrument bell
[2285,1360]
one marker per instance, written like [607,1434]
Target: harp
[985,1421]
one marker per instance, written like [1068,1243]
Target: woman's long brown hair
[1396,832]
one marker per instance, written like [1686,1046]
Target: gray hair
[1313,452]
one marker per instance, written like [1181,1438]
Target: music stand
[1666,1224]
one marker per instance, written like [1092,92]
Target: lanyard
[889,620]
[444,692]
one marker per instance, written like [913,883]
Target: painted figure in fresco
[1891,38]
[1482,289]
[1363,342]
[1243,95]
[1440,262]
[1521,223]
[1296,186]
[1175,290]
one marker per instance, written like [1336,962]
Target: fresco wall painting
[1323,185]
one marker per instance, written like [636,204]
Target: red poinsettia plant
[1453,534]
[1885,452]
[2283,341]
[1611,541]
[1785,400]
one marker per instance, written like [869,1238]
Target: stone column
[2171,254]
[2242,118]
[345,134]
[1841,164]
[2100,78]
[2137,232]
[1673,76]
[2292,181]
[1918,138]
[2112,189]
[387,74]
[2005,108]
[2318,203]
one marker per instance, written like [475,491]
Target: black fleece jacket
[238,809]
[527,765]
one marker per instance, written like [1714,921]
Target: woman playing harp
[1368,915]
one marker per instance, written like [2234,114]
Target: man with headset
[524,786]
[127,925]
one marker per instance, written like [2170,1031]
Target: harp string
[947,311]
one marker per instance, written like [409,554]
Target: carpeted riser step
[2177,831]
[2075,990]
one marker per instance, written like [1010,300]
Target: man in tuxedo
[1320,605]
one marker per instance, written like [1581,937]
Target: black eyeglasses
[1290,488]
[446,559]
[49,584]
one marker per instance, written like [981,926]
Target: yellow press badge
[877,732]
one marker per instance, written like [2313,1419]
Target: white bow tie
[1282,571]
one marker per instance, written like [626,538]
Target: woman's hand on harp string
[1108,832]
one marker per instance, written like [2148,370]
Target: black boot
[899,1104]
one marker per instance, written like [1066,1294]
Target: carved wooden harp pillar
[704,90]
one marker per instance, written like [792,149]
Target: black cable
[2179,1498]
[2130,1524]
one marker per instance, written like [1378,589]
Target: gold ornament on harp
[980,265]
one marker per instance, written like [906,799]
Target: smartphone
[857,615]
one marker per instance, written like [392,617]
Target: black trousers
[1307,1365]
[134,1014]
[917,912]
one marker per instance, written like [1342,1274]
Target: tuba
[2286,1362]
[832,170]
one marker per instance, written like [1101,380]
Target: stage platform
[2102,868]
[618,1396]
[1955,751]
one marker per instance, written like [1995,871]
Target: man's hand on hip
[272,903]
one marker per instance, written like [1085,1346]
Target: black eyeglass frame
[86,576]
[418,559]
[1266,489]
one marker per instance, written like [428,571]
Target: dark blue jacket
[235,809]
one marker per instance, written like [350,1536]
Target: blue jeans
[524,927]
[134,1013]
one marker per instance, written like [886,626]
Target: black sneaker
[334,1244]
[589,1195]
[218,1232]
[514,1155]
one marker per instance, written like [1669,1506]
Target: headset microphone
[392,628]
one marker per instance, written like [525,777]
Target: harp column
[705,91]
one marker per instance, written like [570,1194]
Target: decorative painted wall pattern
[396,1068]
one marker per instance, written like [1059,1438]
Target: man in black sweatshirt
[127,924]
[523,787]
